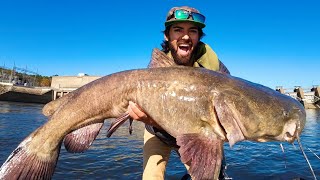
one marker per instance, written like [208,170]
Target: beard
[178,58]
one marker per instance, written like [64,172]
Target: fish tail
[24,164]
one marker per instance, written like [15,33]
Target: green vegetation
[23,78]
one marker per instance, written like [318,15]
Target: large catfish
[199,107]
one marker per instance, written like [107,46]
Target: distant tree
[32,79]
[45,81]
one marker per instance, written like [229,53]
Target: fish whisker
[306,158]
[284,155]
[294,146]
[314,153]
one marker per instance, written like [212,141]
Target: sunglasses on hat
[182,14]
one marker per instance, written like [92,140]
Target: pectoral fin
[81,139]
[203,153]
[229,119]
[118,122]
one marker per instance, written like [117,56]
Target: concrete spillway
[10,92]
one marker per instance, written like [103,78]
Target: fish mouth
[293,128]
[290,132]
[290,138]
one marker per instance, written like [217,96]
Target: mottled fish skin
[81,139]
[191,104]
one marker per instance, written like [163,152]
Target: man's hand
[137,113]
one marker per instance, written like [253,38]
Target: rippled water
[120,157]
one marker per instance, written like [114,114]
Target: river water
[120,157]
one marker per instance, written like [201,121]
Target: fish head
[249,111]
[287,118]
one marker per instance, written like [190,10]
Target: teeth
[184,45]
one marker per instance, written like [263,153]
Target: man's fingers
[135,112]
[132,114]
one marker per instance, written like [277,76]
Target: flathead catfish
[199,107]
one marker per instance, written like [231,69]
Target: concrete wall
[71,81]
[13,96]
[9,92]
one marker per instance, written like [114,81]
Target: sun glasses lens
[181,14]
[198,17]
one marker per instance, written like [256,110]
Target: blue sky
[271,42]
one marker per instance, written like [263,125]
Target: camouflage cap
[171,19]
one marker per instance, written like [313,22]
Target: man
[182,34]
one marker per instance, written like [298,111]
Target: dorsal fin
[160,59]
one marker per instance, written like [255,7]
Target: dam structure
[20,85]
[309,97]
[62,85]
[17,93]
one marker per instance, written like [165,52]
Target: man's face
[183,38]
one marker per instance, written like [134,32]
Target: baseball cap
[183,14]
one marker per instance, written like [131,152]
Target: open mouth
[184,49]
